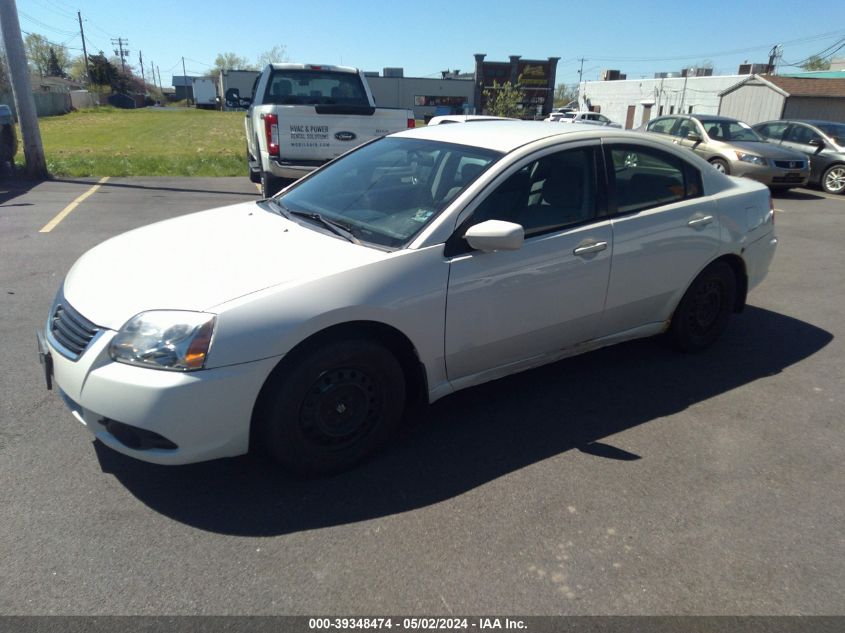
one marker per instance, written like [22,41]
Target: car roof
[810,121]
[326,67]
[503,136]
[712,117]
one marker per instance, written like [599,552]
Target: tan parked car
[734,148]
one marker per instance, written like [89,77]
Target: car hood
[201,260]
[768,150]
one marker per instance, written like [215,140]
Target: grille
[71,330]
[790,164]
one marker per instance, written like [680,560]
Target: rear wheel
[720,165]
[332,407]
[705,309]
[270,184]
[833,180]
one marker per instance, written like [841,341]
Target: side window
[773,130]
[801,134]
[686,127]
[647,177]
[661,126]
[546,195]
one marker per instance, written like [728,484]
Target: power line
[44,25]
[717,54]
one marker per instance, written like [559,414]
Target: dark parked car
[8,138]
[823,142]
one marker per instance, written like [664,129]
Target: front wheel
[833,180]
[704,311]
[720,166]
[332,407]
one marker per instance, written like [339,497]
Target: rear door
[664,233]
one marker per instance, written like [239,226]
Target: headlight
[165,339]
[751,158]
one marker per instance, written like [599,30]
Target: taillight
[271,133]
[412,123]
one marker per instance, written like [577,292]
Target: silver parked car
[593,118]
[823,142]
[734,148]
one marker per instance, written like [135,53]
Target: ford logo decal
[345,136]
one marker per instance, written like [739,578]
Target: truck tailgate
[305,134]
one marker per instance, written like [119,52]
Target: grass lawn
[144,142]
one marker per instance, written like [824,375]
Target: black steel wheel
[705,309]
[332,407]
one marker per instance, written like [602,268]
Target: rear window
[312,87]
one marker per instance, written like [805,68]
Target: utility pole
[119,51]
[141,64]
[580,80]
[185,78]
[84,49]
[160,87]
[33,150]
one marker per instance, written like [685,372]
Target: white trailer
[205,92]
[234,85]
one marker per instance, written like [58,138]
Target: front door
[509,307]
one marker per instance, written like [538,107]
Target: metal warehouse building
[632,102]
[765,97]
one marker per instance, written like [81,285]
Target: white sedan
[422,263]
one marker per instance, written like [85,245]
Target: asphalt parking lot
[631,480]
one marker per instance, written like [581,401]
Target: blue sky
[425,37]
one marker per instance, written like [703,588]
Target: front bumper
[205,414]
[771,176]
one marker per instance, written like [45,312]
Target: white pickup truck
[304,115]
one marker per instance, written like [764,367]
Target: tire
[705,309]
[720,165]
[270,184]
[331,407]
[833,180]
[254,174]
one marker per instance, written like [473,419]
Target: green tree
[505,99]
[565,94]
[816,63]
[102,71]
[76,69]
[231,61]
[54,68]
[276,55]
[38,54]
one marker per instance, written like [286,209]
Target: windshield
[729,130]
[385,192]
[836,132]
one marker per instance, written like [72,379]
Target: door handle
[700,222]
[590,248]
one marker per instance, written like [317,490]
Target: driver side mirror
[817,143]
[694,136]
[495,235]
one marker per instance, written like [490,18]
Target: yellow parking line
[66,211]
